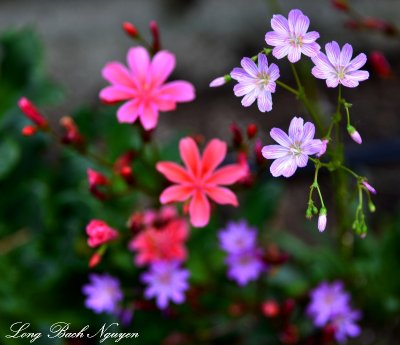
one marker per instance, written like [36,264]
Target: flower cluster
[330,305]
[239,241]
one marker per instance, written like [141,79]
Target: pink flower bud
[323,147]
[369,187]
[354,134]
[156,36]
[31,112]
[322,219]
[218,82]
[380,64]
[130,29]
[72,134]
[251,130]
[99,233]
[28,131]
[96,179]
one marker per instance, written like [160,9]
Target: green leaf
[9,155]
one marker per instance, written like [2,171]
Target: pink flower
[293,149]
[199,179]
[322,219]
[143,87]
[354,134]
[256,82]
[99,233]
[290,36]
[338,68]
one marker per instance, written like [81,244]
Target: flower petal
[128,112]
[312,147]
[358,75]
[301,25]
[239,74]
[162,65]
[175,193]
[264,101]
[262,63]
[280,51]
[322,62]
[293,17]
[285,166]
[112,94]
[346,54]
[332,82]
[149,117]
[117,74]
[357,62]
[301,160]
[294,54]
[249,66]
[173,172]
[190,155]
[310,37]
[279,24]
[177,91]
[274,151]
[243,88]
[227,175]
[139,63]
[275,38]
[249,98]
[310,49]
[222,196]
[199,210]
[333,52]
[213,155]
[273,72]
[296,129]
[280,137]
[308,131]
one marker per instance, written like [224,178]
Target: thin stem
[287,88]
[351,172]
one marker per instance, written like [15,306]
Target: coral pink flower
[200,179]
[161,244]
[143,86]
[99,232]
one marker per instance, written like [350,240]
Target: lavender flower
[237,237]
[338,68]
[290,36]
[256,82]
[345,325]
[166,281]
[103,293]
[293,149]
[327,301]
[245,266]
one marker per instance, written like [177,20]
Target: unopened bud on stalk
[130,29]
[29,130]
[30,111]
[251,130]
[218,82]
[341,5]
[237,135]
[95,260]
[156,36]
[371,207]
[354,134]
[369,187]
[322,219]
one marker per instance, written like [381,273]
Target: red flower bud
[29,130]
[156,46]
[270,309]
[237,136]
[72,134]
[341,5]
[32,113]
[95,260]
[380,65]
[251,130]
[130,29]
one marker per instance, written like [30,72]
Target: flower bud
[130,29]
[341,5]
[322,219]
[95,260]
[251,130]
[323,147]
[72,134]
[32,113]
[156,36]
[380,65]
[368,187]
[29,130]
[218,82]
[95,180]
[99,232]
[237,135]
[270,308]
[354,134]
[371,207]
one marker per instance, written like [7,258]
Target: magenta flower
[245,266]
[103,293]
[143,87]
[327,301]
[293,149]
[345,325]
[290,36]
[338,68]
[256,82]
[166,281]
[237,237]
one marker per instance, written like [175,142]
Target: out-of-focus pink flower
[200,179]
[337,67]
[256,82]
[369,187]
[31,112]
[354,134]
[290,37]
[143,87]
[380,64]
[166,243]
[293,149]
[99,232]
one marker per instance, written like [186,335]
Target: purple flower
[166,281]
[245,266]
[103,293]
[293,149]
[237,237]
[345,325]
[290,36]
[327,301]
[338,68]
[256,82]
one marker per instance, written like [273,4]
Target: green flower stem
[287,88]
[337,117]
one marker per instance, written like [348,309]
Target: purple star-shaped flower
[166,281]
[245,266]
[103,293]
[293,149]
[337,67]
[237,237]
[256,82]
[290,37]
[345,325]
